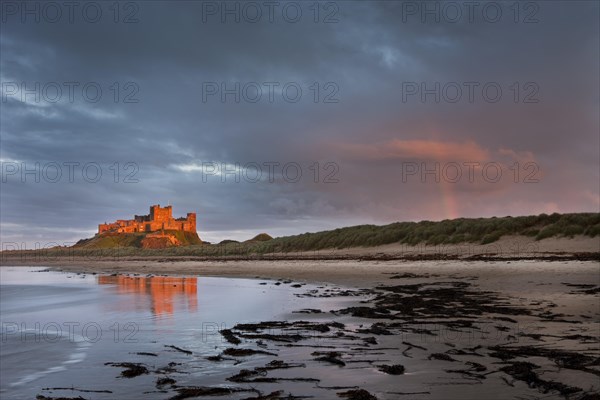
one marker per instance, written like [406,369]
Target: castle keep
[160,218]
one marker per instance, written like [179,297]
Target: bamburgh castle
[160,218]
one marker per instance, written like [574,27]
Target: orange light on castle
[159,218]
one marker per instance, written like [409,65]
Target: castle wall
[159,218]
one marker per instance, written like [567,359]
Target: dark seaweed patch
[396,369]
[357,394]
[131,369]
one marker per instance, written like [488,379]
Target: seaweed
[396,369]
[440,356]
[524,371]
[165,381]
[245,352]
[131,369]
[230,336]
[332,357]
[357,394]
[41,397]
[179,349]
[198,391]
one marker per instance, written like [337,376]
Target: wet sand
[412,329]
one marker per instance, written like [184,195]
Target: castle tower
[160,214]
[191,220]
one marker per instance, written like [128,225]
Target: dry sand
[354,266]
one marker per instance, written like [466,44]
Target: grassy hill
[261,237]
[120,240]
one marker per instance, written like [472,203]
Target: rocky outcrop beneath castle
[159,240]
[155,240]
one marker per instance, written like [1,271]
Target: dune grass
[461,230]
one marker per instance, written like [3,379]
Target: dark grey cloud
[370,133]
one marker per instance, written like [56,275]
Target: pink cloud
[431,150]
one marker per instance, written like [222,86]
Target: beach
[431,329]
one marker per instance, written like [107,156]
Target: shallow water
[58,329]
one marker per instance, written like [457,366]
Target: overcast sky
[388,110]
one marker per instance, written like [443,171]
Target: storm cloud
[287,117]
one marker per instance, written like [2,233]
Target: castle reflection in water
[163,294]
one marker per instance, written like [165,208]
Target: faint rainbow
[448,199]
